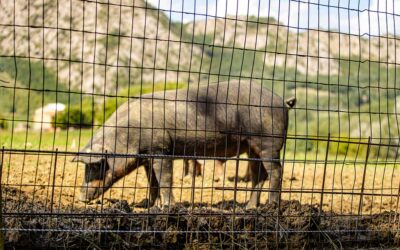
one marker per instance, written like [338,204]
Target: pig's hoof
[158,203]
[168,205]
[187,179]
[226,205]
[231,178]
[145,203]
[238,179]
[273,201]
[164,207]
[245,178]
[251,206]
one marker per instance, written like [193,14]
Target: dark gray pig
[218,120]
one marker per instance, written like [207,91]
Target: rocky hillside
[309,52]
[104,47]
[90,44]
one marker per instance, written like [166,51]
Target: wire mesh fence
[199,124]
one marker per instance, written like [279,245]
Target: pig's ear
[88,158]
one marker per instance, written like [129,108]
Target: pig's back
[217,107]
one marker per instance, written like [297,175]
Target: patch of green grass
[47,140]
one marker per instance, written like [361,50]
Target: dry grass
[35,173]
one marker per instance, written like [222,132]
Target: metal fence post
[324,174]
[54,181]
[360,205]
[363,178]
[1,201]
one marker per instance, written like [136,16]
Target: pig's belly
[220,146]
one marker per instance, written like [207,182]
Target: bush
[76,117]
[3,123]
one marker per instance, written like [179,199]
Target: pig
[223,119]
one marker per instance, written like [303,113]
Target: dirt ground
[301,182]
[119,226]
[113,221]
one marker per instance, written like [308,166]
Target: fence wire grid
[199,124]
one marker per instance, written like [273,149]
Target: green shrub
[3,123]
[76,117]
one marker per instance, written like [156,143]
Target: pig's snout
[83,197]
[98,178]
[91,190]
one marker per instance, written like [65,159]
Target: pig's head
[101,171]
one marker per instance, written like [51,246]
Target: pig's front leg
[163,171]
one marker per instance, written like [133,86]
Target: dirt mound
[116,224]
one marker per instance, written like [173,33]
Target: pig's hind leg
[154,192]
[153,189]
[274,169]
[269,156]
[258,176]
[191,167]
[162,169]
